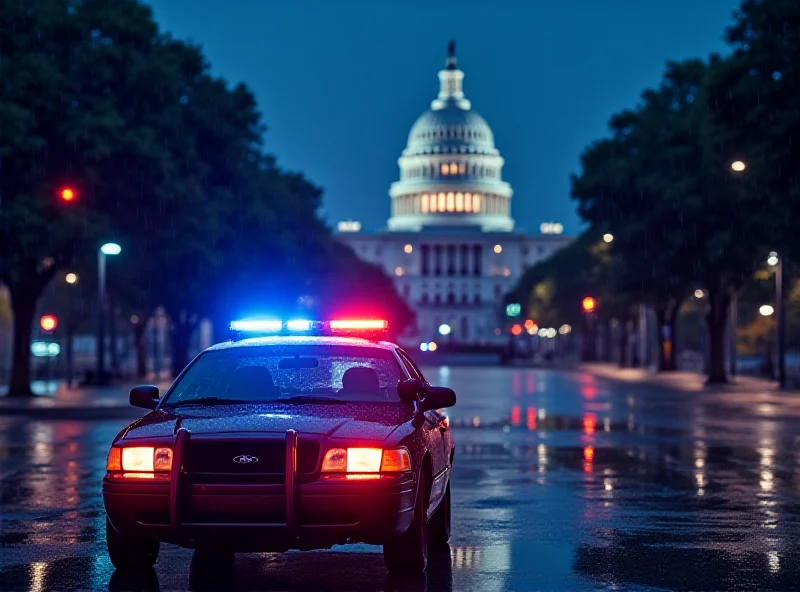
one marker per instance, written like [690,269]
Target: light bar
[346,325]
[298,325]
[257,325]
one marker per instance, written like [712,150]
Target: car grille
[211,461]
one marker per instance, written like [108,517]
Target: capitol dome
[450,170]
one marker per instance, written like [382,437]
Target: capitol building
[450,243]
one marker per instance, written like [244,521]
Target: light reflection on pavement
[562,481]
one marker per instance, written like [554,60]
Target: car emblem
[245,459]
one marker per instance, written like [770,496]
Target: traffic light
[67,194]
[48,323]
[589,304]
[516,329]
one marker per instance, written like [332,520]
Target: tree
[753,113]
[674,204]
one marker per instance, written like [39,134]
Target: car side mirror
[144,396]
[410,390]
[438,397]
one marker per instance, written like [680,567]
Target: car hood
[369,421]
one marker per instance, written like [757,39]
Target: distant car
[320,434]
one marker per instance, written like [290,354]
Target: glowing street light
[699,293]
[67,194]
[766,310]
[738,166]
[48,323]
[111,249]
[71,278]
[444,329]
[589,304]
[608,237]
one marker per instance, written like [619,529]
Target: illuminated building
[450,243]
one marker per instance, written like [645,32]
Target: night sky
[340,82]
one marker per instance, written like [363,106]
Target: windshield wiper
[309,399]
[207,401]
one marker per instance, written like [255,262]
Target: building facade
[451,243]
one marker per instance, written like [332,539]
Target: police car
[293,435]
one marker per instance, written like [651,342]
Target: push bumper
[261,517]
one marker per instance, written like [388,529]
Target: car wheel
[408,553]
[130,552]
[440,522]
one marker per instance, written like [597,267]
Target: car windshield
[290,373]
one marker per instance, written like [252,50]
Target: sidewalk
[79,402]
[681,381]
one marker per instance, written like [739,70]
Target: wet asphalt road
[562,481]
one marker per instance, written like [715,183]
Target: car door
[437,436]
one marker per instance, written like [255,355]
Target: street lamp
[738,166]
[106,250]
[608,237]
[71,278]
[766,310]
[777,262]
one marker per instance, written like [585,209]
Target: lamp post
[777,263]
[72,280]
[105,250]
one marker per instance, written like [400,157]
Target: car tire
[439,528]
[130,552]
[408,553]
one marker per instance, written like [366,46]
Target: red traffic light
[48,322]
[67,194]
[516,330]
[589,304]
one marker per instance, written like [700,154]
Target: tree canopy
[164,158]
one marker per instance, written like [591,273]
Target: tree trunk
[667,317]
[717,315]
[180,337]
[673,328]
[624,335]
[608,354]
[23,304]
[139,332]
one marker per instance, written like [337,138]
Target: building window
[461,168]
[476,202]
[451,202]
[451,298]
[424,203]
[464,298]
[441,205]
[424,298]
[451,259]
[426,255]
[437,300]
[459,202]
[453,168]
[498,292]
[464,260]
[477,256]
[477,298]
[464,328]
[444,169]
[437,260]
[467,202]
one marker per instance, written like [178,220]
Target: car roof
[304,340]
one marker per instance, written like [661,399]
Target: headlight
[139,460]
[366,460]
